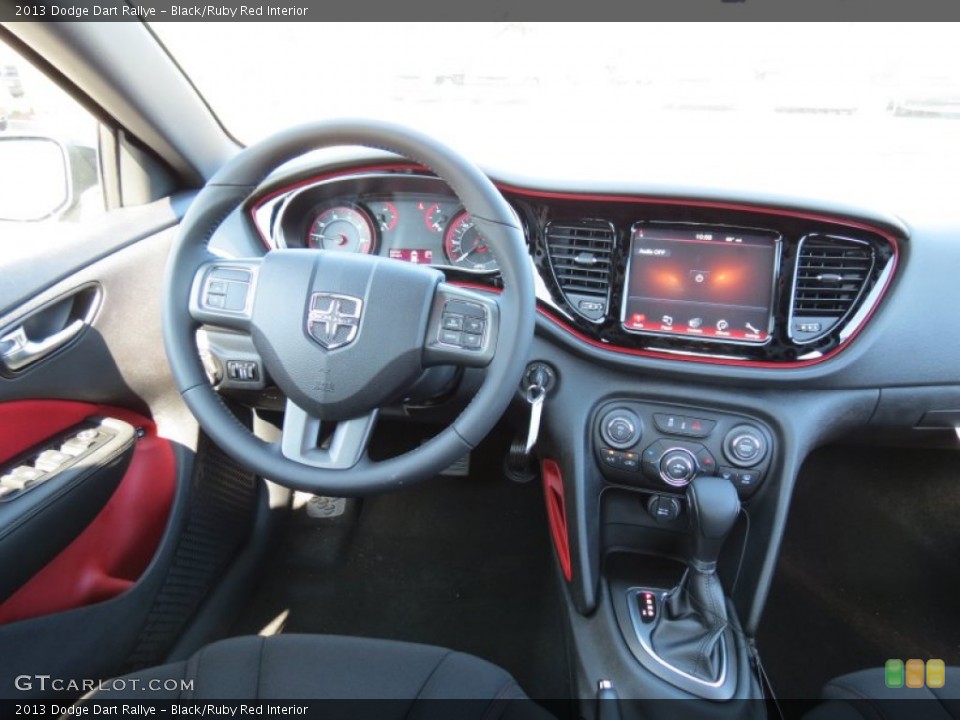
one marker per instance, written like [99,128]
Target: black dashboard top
[679,279]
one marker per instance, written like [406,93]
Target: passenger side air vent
[829,279]
[580,255]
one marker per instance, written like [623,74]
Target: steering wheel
[341,334]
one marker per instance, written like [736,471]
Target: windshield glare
[860,106]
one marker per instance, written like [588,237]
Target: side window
[49,167]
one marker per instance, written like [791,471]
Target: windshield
[866,109]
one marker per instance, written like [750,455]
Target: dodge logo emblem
[334,320]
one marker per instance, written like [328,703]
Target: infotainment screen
[712,283]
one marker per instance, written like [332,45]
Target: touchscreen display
[711,283]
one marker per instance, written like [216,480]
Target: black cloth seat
[327,667]
[864,694]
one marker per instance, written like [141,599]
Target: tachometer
[465,248]
[342,228]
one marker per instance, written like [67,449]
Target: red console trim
[557,514]
[111,553]
[721,205]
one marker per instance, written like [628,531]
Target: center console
[686,470]
[662,448]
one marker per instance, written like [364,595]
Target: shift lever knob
[713,506]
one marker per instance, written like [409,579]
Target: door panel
[113,550]
[90,572]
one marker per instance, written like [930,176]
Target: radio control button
[621,428]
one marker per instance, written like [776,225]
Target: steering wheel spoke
[305,440]
[463,328]
[223,292]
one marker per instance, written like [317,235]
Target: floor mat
[869,569]
[458,562]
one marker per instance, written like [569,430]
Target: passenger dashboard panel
[682,278]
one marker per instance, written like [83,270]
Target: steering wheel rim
[230,188]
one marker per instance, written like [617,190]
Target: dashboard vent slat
[830,276]
[580,255]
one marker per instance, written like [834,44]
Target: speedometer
[465,247]
[342,228]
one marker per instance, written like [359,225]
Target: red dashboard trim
[721,205]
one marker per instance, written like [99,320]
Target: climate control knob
[745,446]
[678,467]
[621,428]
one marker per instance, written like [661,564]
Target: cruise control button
[471,341]
[217,287]
[450,337]
[237,296]
[452,322]
[473,325]
[217,302]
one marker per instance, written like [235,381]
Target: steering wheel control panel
[664,447]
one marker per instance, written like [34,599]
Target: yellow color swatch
[936,674]
[914,673]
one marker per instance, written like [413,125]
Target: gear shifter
[694,615]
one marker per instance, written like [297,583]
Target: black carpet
[870,567]
[460,562]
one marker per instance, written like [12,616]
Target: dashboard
[693,280]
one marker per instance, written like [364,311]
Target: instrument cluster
[425,228]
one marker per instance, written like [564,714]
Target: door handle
[17,350]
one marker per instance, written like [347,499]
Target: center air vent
[580,256]
[830,277]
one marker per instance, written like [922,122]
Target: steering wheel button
[217,302]
[452,321]
[236,296]
[471,341]
[4,488]
[236,274]
[217,287]
[473,325]
[451,337]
